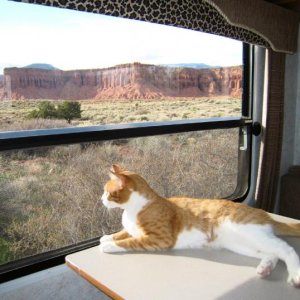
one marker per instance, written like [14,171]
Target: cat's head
[124,187]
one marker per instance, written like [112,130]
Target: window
[117,70]
[160,100]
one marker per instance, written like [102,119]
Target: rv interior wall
[291,136]
[291,131]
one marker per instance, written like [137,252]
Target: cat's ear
[116,169]
[115,174]
[121,179]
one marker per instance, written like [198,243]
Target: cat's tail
[288,229]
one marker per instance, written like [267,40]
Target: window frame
[50,137]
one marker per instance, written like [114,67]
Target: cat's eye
[113,196]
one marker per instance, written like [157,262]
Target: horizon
[177,65]
[73,40]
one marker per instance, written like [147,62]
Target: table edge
[94,282]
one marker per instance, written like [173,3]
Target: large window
[87,91]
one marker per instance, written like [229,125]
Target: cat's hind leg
[266,266]
[241,239]
[267,263]
[286,253]
[276,247]
[263,240]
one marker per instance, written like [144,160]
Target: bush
[66,110]
[69,110]
[46,110]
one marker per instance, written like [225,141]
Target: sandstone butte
[126,81]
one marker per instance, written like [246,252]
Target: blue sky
[77,40]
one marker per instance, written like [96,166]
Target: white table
[184,274]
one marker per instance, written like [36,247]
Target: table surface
[182,274]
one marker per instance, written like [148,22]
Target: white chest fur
[129,223]
[131,210]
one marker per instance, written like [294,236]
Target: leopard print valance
[201,15]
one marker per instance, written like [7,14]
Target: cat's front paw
[110,247]
[294,280]
[106,238]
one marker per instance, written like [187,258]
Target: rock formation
[127,81]
[1,86]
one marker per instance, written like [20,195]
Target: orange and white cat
[152,222]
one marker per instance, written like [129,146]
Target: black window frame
[50,137]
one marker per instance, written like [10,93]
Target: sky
[70,40]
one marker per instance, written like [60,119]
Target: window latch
[256,128]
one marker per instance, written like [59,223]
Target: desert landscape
[122,94]
[13,114]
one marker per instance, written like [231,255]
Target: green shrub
[69,110]
[45,110]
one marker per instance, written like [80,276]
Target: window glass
[50,197]
[81,69]
[62,68]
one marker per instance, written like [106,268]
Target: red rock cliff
[128,81]
[1,86]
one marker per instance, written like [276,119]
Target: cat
[152,222]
